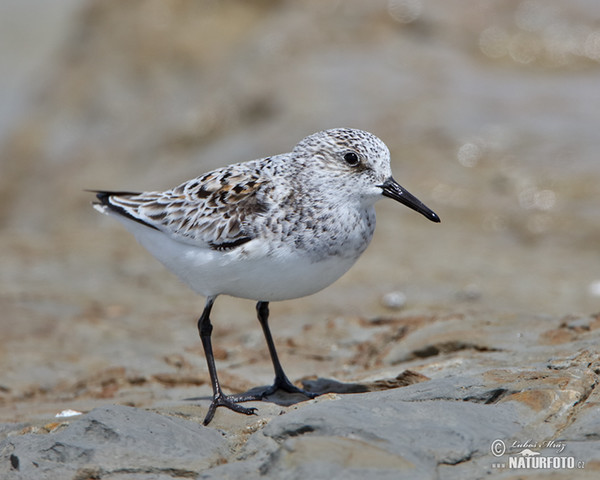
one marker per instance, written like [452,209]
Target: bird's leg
[281,380]
[219,398]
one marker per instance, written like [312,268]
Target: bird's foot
[281,383]
[228,401]
[284,384]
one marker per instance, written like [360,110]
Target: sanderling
[276,228]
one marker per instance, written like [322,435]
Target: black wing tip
[104,196]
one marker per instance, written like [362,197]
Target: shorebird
[276,228]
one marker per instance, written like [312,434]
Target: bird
[276,228]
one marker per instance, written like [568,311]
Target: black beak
[392,189]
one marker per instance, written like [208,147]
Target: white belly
[245,272]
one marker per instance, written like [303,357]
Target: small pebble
[470,293]
[594,288]
[394,300]
[67,413]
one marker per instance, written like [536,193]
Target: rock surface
[533,387]
[116,440]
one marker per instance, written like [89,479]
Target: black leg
[281,380]
[219,398]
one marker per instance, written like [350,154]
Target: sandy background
[490,110]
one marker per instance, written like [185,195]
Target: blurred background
[491,110]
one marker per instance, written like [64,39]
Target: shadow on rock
[322,386]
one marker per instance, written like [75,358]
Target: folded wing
[216,210]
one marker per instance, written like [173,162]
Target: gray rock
[379,435]
[114,442]
[441,428]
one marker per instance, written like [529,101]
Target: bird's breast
[342,233]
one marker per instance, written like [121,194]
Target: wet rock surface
[438,418]
[116,440]
[442,346]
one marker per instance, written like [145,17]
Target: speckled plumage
[276,228]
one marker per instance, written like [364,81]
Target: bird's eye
[351,158]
